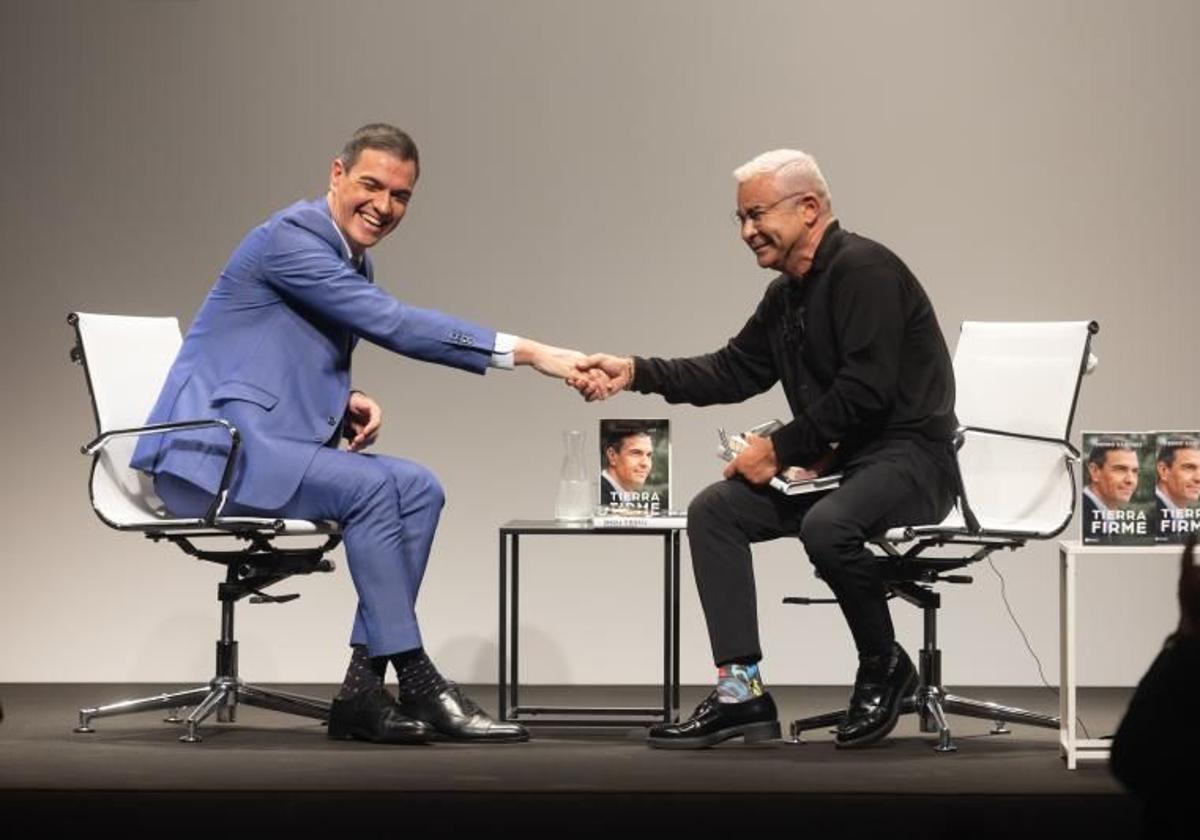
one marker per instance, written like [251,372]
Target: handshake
[600,376]
[596,377]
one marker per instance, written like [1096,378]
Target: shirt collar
[357,262]
[1166,500]
[613,481]
[1087,491]
[826,247]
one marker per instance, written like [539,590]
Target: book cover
[635,467]
[1118,488]
[1176,485]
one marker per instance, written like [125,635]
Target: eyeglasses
[755,214]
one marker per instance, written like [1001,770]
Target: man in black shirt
[848,331]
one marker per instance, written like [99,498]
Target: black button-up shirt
[855,344]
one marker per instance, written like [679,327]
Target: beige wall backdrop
[1029,160]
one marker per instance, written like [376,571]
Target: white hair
[794,171]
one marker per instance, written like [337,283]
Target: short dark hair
[1101,448]
[1166,455]
[385,138]
[615,439]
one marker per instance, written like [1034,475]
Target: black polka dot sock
[417,675]
[364,673]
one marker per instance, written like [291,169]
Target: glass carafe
[574,502]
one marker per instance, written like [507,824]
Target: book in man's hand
[791,481]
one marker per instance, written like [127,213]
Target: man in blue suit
[270,351]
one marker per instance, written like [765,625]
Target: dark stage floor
[272,771]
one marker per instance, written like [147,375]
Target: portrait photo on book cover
[635,466]
[1118,491]
[1177,485]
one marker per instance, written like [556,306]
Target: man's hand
[756,463]
[1189,591]
[546,359]
[600,376]
[363,419]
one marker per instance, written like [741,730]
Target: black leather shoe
[880,687]
[456,716]
[714,722]
[373,716]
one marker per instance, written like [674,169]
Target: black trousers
[899,482]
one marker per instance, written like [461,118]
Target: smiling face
[781,226]
[1180,480]
[369,200]
[630,464]
[1116,478]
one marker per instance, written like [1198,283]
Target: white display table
[1073,748]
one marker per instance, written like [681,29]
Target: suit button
[331,420]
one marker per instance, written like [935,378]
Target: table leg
[1066,633]
[668,623]
[675,627]
[514,622]
[503,612]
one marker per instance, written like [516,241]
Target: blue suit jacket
[270,349]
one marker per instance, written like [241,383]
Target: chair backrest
[1020,378]
[126,360]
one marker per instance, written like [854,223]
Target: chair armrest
[960,438]
[100,441]
[1070,453]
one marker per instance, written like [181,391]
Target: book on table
[635,467]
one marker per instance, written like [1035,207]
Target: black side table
[510,707]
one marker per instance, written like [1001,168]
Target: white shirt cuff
[502,352]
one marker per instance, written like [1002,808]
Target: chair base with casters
[249,571]
[909,578]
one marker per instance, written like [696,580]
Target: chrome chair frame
[249,571]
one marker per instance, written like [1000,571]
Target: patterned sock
[738,683]
[364,673]
[417,675]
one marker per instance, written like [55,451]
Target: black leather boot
[714,722]
[373,715]
[880,687]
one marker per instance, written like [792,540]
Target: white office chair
[126,360]
[1017,386]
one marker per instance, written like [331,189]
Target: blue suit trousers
[388,509]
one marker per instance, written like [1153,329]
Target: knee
[418,486]
[430,488]
[828,539]
[709,505]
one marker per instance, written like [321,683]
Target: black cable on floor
[1028,646]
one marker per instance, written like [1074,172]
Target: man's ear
[337,170]
[811,208]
